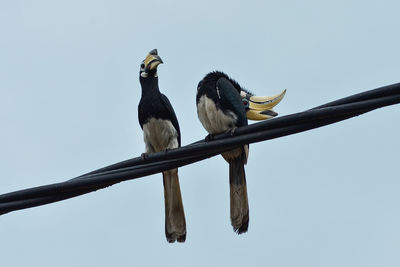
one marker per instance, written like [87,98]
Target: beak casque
[260,107]
[152,60]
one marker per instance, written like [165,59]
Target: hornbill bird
[161,132]
[222,106]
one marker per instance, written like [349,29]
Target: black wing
[171,115]
[230,99]
[141,115]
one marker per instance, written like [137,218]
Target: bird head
[260,107]
[150,64]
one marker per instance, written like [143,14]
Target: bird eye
[245,102]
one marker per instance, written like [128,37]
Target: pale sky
[69,91]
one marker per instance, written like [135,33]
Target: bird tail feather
[238,194]
[175,224]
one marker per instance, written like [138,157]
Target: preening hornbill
[222,106]
[161,132]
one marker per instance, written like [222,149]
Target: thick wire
[138,167]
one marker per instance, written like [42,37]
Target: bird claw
[232,131]
[209,138]
[144,156]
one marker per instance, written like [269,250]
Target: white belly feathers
[214,120]
[159,134]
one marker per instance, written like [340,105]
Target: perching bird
[220,109]
[161,132]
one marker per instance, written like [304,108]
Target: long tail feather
[175,224]
[238,194]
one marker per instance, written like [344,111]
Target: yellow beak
[260,107]
[151,62]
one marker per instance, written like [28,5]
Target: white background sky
[69,92]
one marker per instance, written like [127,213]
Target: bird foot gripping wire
[259,108]
[232,131]
[209,137]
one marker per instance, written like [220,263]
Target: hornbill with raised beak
[161,132]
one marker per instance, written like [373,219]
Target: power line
[329,113]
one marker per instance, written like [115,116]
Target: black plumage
[225,92]
[154,104]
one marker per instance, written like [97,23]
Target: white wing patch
[214,120]
[159,135]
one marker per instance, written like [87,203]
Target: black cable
[138,167]
[388,90]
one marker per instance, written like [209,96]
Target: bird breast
[214,119]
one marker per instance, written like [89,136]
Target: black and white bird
[161,132]
[220,109]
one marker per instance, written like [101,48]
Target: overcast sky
[69,91]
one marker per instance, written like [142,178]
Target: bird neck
[150,87]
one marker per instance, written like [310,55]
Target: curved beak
[260,115]
[260,107]
[152,60]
